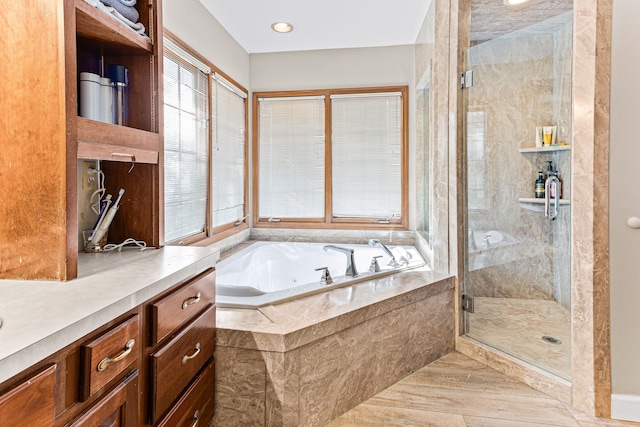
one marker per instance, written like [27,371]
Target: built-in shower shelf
[534,201]
[545,149]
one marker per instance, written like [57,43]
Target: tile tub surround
[305,362]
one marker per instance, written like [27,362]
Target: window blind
[228,165]
[186,147]
[292,157]
[367,155]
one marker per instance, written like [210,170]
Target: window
[331,159]
[205,149]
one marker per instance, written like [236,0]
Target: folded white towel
[129,12]
[128,2]
[114,14]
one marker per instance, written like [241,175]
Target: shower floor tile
[516,326]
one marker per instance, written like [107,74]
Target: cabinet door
[31,403]
[118,408]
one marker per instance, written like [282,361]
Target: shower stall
[517,85]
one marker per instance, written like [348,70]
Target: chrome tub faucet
[378,244]
[351,264]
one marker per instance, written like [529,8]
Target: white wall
[191,22]
[343,68]
[624,242]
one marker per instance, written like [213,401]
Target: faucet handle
[374,267]
[325,279]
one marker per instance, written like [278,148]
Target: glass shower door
[517,268]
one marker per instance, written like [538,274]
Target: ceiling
[326,24]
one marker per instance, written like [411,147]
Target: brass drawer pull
[186,358]
[191,301]
[107,360]
[195,417]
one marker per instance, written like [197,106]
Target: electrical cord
[95,206]
[130,241]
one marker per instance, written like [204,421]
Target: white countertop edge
[108,286]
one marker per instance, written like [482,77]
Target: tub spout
[378,244]
[351,264]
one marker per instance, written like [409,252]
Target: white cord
[139,243]
[100,191]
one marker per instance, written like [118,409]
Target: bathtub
[272,272]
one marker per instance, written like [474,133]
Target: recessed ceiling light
[281,27]
[514,2]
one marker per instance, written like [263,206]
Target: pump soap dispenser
[540,186]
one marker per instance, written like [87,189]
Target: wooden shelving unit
[44,137]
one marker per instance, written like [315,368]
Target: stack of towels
[123,11]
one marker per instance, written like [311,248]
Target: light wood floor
[456,391]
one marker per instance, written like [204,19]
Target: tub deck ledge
[292,324]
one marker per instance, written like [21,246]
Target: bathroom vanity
[130,341]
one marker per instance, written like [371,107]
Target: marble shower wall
[521,81]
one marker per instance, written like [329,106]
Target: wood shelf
[545,149]
[94,24]
[91,131]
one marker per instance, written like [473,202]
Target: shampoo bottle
[555,187]
[540,186]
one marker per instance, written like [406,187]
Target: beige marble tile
[590,286]
[348,367]
[282,388]
[533,376]
[516,326]
[295,323]
[288,371]
[239,390]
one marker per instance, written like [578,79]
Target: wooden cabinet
[196,404]
[118,408]
[114,376]
[30,403]
[182,332]
[178,362]
[43,136]
[168,313]
[108,355]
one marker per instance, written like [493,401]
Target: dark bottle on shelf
[540,186]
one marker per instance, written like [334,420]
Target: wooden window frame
[329,221]
[214,234]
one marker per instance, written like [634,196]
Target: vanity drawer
[197,403]
[176,308]
[30,403]
[176,363]
[107,356]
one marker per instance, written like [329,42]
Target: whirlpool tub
[271,272]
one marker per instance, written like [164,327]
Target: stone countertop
[289,325]
[42,317]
